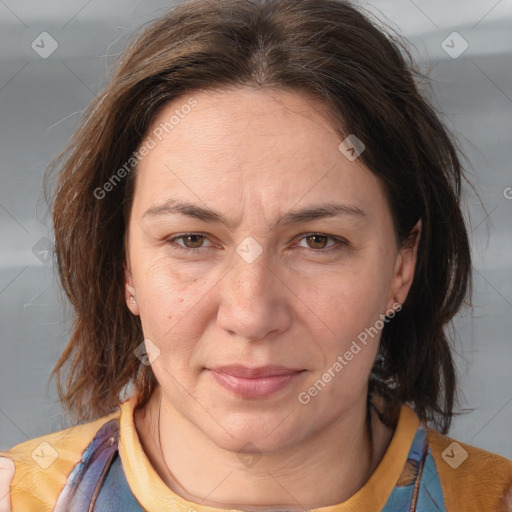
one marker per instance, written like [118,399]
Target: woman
[258,226]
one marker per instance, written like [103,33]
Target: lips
[253,373]
[255,383]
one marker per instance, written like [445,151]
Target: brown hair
[324,48]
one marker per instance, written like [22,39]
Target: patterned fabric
[98,483]
[418,487]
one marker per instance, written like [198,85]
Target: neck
[333,465]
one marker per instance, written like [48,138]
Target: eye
[319,241]
[192,241]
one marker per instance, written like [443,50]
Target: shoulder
[472,479]
[43,464]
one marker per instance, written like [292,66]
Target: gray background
[40,102]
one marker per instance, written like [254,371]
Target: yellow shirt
[421,470]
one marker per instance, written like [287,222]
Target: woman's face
[260,283]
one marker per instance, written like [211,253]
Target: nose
[255,302]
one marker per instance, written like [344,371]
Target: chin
[256,437]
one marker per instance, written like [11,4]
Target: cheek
[347,306]
[348,339]
[160,279]
[176,306]
[348,300]
[164,295]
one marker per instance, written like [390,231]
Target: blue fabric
[98,479]
[429,495]
[86,478]
[116,495]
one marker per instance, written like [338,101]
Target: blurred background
[54,57]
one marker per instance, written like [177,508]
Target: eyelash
[340,243]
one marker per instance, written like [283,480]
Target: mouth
[256,372]
[255,382]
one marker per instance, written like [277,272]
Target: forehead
[265,148]
[249,119]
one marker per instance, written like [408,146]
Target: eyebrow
[308,213]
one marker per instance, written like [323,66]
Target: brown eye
[193,241]
[317,241]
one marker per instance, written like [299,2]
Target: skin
[252,156]
[7,471]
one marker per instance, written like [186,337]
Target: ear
[129,289]
[404,268]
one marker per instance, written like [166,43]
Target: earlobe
[405,267]
[129,290]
